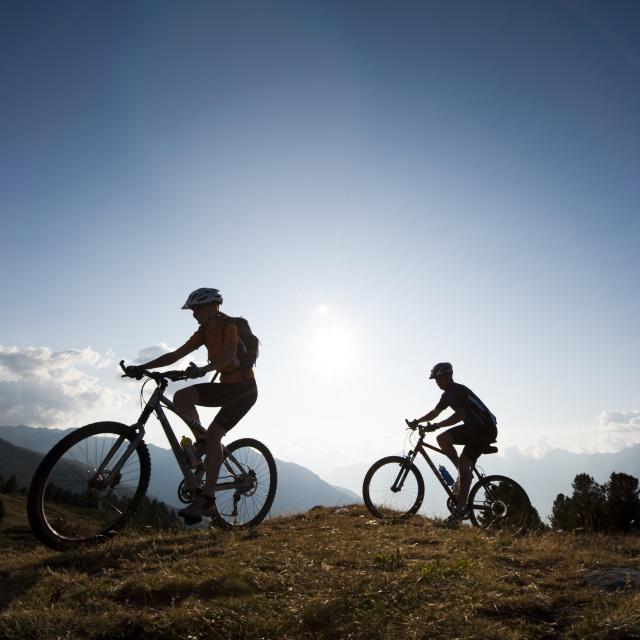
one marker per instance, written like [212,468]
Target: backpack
[248,343]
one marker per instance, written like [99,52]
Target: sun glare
[332,341]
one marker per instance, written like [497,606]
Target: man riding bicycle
[477,431]
[235,394]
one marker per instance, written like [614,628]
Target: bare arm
[454,418]
[430,416]
[227,357]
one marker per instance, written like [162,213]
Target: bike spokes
[88,485]
[85,497]
[498,503]
[393,488]
[250,471]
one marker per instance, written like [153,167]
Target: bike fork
[404,471]
[115,472]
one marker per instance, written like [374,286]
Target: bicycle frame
[421,447]
[156,403]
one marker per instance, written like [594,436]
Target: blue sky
[398,183]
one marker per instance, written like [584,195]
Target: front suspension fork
[404,471]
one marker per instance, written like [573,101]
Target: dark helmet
[441,369]
[202,296]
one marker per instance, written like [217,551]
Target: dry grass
[324,574]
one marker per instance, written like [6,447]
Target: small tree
[585,509]
[561,517]
[623,501]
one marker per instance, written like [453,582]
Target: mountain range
[299,489]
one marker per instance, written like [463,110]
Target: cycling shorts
[234,399]
[475,438]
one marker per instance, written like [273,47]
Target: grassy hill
[328,573]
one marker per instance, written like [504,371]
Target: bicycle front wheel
[393,488]
[251,469]
[85,488]
[498,503]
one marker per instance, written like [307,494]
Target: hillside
[18,462]
[328,573]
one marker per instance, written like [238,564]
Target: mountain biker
[477,431]
[235,394]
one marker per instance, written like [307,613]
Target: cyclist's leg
[215,433]
[464,434]
[209,394]
[235,401]
[476,438]
[446,442]
[467,459]
[186,400]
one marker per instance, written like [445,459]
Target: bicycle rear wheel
[498,503]
[250,465]
[75,497]
[393,488]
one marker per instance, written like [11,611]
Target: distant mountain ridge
[299,489]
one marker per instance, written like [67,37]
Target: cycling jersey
[461,398]
[215,338]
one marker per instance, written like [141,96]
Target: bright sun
[332,341]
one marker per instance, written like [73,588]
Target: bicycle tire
[63,525]
[251,505]
[377,492]
[498,503]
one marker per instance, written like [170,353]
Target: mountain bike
[393,489]
[92,481]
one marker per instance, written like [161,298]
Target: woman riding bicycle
[477,431]
[235,394]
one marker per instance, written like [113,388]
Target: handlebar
[174,376]
[422,428]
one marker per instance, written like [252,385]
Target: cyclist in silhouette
[477,431]
[235,394]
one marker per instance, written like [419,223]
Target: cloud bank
[621,421]
[618,429]
[40,387]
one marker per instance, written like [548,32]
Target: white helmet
[202,296]
[441,369]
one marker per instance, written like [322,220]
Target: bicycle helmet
[441,369]
[202,296]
